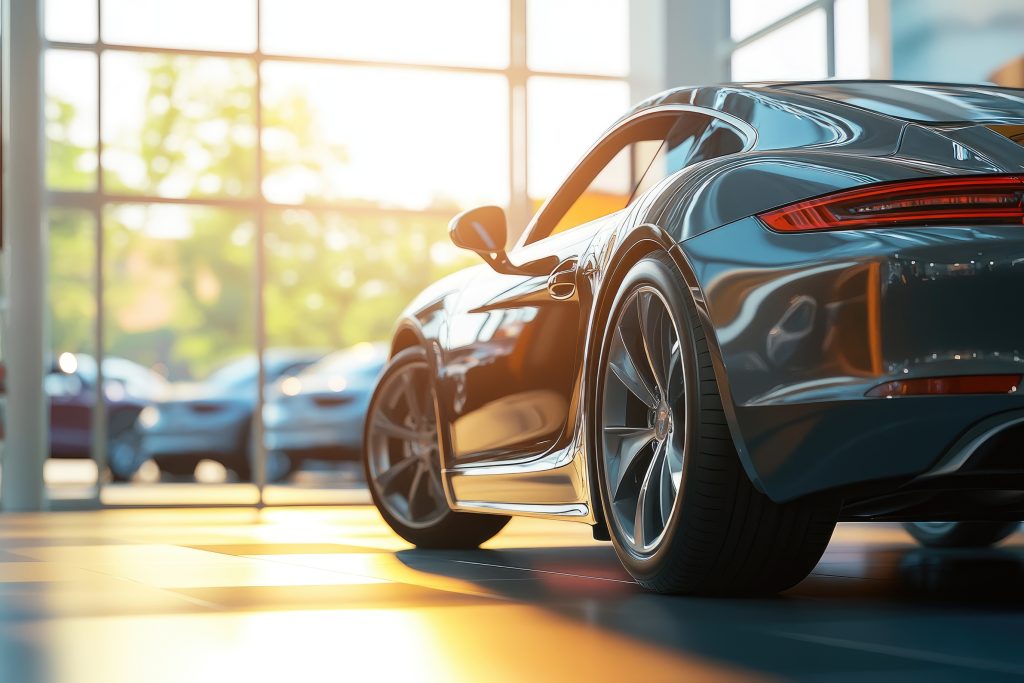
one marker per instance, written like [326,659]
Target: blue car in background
[319,413]
[213,419]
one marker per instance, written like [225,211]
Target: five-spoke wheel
[644,418]
[680,510]
[401,453]
[402,460]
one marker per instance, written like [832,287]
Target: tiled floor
[330,594]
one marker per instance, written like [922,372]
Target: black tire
[721,536]
[443,528]
[124,454]
[960,534]
[240,462]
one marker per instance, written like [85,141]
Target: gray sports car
[751,311]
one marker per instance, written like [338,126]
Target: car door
[513,345]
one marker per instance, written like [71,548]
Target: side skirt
[553,486]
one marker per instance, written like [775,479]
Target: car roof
[918,101]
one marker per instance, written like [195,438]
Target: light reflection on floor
[314,594]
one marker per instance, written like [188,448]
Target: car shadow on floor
[892,608]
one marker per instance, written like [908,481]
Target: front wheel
[960,534]
[683,515]
[402,462]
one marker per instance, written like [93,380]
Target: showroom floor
[312,594]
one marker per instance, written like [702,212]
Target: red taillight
[933,386]
[936,201]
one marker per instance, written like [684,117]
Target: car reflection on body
[212,419]
[319,413]
[749,312]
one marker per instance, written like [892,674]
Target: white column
[27,442]
[675,43]
[879,39]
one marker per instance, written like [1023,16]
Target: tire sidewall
[650,271]
[397,364]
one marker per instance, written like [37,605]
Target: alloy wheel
[643,419]
[402,448]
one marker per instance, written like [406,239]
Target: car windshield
[241,373]
[922,102]
[236,374]
[362,358]
[136,379]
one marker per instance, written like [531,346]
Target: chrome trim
[553,486]
[577,512]
[744,128]
[964,449]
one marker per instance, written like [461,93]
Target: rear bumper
[806,324]
[799,449]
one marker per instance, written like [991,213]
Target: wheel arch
[643,241]
[406,336]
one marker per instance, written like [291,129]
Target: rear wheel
[960,534]
[124,454]
[683,515]
[402,462]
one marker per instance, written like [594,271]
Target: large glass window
[796,51]
[793,40]
[450,32]
[178,126]
[284,170]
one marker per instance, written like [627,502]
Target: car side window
[631,161]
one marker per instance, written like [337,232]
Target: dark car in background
[319,413]
[212,419]
[71,387]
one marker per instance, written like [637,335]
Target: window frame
[530,237]
[96,200]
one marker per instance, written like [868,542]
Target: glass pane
[70,120]
[188,24]
[566,116]
[72,21]
[460,32]
[180,305]
[337,282]
[178,126]
[579,36]
[795,52]
[392,137]
[748,16]
[70,379]
[852,39]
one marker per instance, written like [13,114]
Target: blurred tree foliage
[179,280]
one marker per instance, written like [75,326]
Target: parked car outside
[70,386]
[319,413]
[212,419]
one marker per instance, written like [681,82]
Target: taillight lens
[937,201]
[939,386]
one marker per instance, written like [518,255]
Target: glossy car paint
[801,325]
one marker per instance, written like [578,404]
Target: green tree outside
[179,280]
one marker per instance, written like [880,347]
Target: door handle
[562,281]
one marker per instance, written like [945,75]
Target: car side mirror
[483,231]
